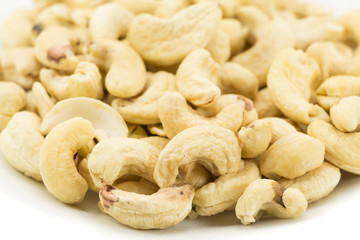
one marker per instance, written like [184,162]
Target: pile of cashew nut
[182,108]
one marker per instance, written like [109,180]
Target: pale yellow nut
[268,7]
[20,143]
[19,65]
[126,73]
[157,130]
[165,208]
[42,100]
[142,186]
[41,4]
[144,108]
[292,156]
[234,78]
[273,38]
[136,131]
[110,21]
[195,174]
[335,88]
[304,9]
[57,167]
[264,104]
[349,20]
[115,157]
[106,121]
[228,7]
[223,193]
[280,127]
[84,3]
[346,114]
[167,41]
[237,33]
[217,148]
[291,81]
[196,78]
[341,149]
[267,197]
[156,141]
[176,115]
[83,170]
[255,138]
[219,46]
[81,17]
[316,184]
[139,6]
[84,82]
[15,31]
[30,102]
[168,8]
[55,47]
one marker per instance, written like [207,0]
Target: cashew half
[267,197]
[57,167]
[167,41]
[215,147]
[163,209]
[346,114]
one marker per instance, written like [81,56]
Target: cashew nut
[142,186]
[139,6]
[267,197]
[237,33]
[136,131]
[264,104]
[219,46]
[346,114]
[195,174]
[227,6]
[157,142]
[280,127]
[42,100]
[217,148]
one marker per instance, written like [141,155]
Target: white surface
[28,211]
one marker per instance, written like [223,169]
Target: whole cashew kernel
[167,41]
[292,156]
[267,197]
[346,114]
[57,167]
[215,147]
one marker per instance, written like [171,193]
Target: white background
[28,211]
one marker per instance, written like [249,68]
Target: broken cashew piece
[57,167]
[217,148]
[166,41]
[267,197]
[110,124]
[165,208]
[42,100]
[346,114]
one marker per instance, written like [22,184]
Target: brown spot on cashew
[108,198]
[167,41]
[215,147]
[57,53]
[176,115]
[267,197]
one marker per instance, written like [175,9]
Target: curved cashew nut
[215,147]
[111,124]
[267,197]
[144,109]
[346,114]
[19,65]
[265,106]
[110,21]
[57,167]
[196,78]
[255,138]
[176,115]
[280,127]
[84,82]
[341,149]
[115,157]
[290,81]
[223,193]
[20,143]
[219,46]
[167,41]
[163,209]
[270,43]
[317,183]
[126,73]
[55,47]
[42,100]
[292,156]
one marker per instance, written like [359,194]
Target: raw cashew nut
[215,147]
[110,124]
[196,78]
[126,73]
[280,127]
[267,197]
[84,82]
[195,174]
[167,41]
[115,157]
[290,81]
[346,114]
[43,101]
[20,143]
[255,138]
[176,115]
[265,106]
[168,8]
[144,109]
[19,65]
[163,209]
[219,46]
[237,33]
[110,21]
[223,193]
[57,167]
[292,156]
[315,184]
[341,149]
